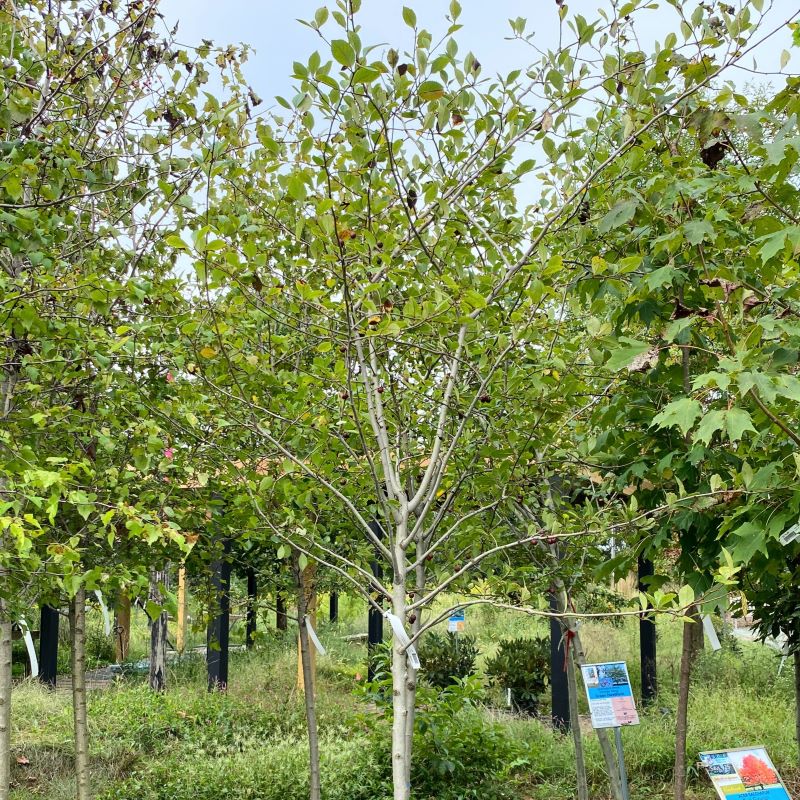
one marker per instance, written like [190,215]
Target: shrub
[99,647]
[447,657]
[460,754]
[523,666]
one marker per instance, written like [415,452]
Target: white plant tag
[789,535]
[708,627]
[26,634]
[402,636]
[313,634]
[104,611]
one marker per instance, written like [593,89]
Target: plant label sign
[457,622]
[746,773]
[608,688]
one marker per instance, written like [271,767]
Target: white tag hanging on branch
[313,636]
[26,635]
[403,638]
[711,633]
[104,611]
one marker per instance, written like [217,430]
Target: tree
[99,111]
[389,323]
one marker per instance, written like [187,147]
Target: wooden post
[158,631]
[333,607]
[122,630]
[559,684]
[647,638]
[252,599]
[218,634]
[310,605]
[48,646]
[180,638]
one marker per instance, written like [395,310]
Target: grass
[248,744]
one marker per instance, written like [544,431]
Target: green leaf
[685,596]
[676,327]
[321,16]
[621,357]
[709,425]
[175,241]
[663,276]
[343,52]
[409,17]
[749,538]
[365,75]
[431,90]
[773,244]
[698,230]
[620,214]
[153,610]
[681,413]
[296,187]
[737,421]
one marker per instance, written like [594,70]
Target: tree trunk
[304,593]
[6,624]
[122,629]
[280,613]
[401,754]
[797,701]
[420,580]
[5,703]
[575,727]
[158,632]
[681,722]
[306,582]
[698,635]
[77,627]
[559,680]
[180,636]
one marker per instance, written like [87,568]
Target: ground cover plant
[250,742]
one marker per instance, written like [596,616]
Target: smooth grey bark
[77,627]
[401,754]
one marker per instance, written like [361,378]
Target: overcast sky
[271,28]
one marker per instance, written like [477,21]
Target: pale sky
[270,27]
